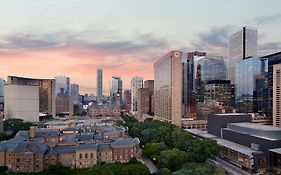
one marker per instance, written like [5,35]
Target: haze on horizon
[40,38]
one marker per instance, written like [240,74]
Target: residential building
[99,85]
[249,77]
[144,99]
[168,88]
[22,98]
[86,155]
[62,85]
[123,149]
[242,44]
[104,153]
[28,157]
[277,95]
[47,97]
[136,83]
[80,144]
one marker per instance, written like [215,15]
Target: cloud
[261,20]
[83,39]
[269,48]
[214,41]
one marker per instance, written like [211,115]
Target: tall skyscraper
[277,95]
[136,83]
[22,98]
[62,85]
[168,88]
[116,90]
[99,85]
[272,60]
[208,68]
[242,44]
[189,75]
[248,74]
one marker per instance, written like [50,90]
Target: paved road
[149,164]
[231,169]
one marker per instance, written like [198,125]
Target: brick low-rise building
[38,149]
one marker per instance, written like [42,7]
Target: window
[92,155]
[80,156]
[86,156]
[18,160]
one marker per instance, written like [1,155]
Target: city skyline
[81,37]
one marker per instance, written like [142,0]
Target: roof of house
[87,146]
[125,142]
[104,147]
[31,147]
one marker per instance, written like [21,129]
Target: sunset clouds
[43,39]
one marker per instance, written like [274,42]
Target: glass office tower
[242,44]
[249,78]
[116,89]
[208,69]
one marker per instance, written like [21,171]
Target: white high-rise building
[168,88]
[99,85]
[22,98]
[242,44]
[136,83]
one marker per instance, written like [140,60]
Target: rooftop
[123,142]
[234,146]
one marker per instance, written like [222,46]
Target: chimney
[32,132]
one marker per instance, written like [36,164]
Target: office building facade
[168,88]
[75,93]
[208,69]
[22,98]
[136,83]
[277,95]
[47,97]
[221,91]
[99,85]
[272,60]
[248,73]
[242,44]
[116,90]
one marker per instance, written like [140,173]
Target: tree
[181,139]
[4,136]
[119,123]
[165,171]
[151,150]
[16,124]
[172,159]
[148,135]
